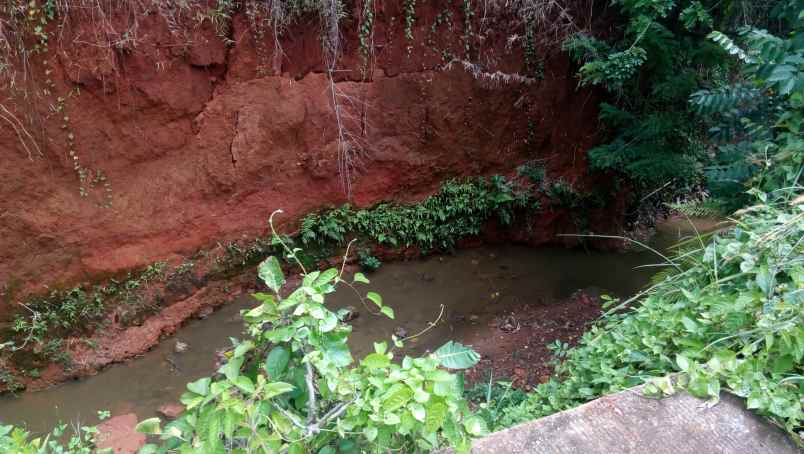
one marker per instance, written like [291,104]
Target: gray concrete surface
[629,422]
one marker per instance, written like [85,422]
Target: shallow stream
[473,285]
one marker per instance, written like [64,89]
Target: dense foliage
[293,386]
[730,315]
[729,312]
[458,210]
[659,58]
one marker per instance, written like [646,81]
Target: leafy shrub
[534,173]
[562,194]
[755,124]
[293,386]
[19,441]
[729,316]
[368,262]
[458,210]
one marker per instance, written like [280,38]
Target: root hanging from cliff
[350,144]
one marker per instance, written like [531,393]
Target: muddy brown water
[473,285]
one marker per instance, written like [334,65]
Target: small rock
[475,262]
[509,324]
[351,313]
[474,318]
[170,411]
[119,435]
[205,312]
[427,277]
[180,347]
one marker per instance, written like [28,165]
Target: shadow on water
[476,282]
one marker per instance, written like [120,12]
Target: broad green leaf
[397,396]
[436,414]
[277,362]
[446,388]
[783,364]
[329,323]
[417,410]
[270,271]
[375,298]
[243,348]
[683,362]
[297,448]
[327,450]
[476,426]
[360,277]
[371,433]
[421,396]
[149,426]
[232,368]
[454,355]
[245,384]
[380,347]
[391,419]
[200,386]
[274,389]
[376,361]
[387,311]
[326,277]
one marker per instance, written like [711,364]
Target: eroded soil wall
[202,131]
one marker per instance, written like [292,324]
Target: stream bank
[479,288]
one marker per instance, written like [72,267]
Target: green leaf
[397,396]
[375,361]
[436,415]
[150,448]
[371,433]
[783,364]
[245,384]
[326,277]
[329,323]
[270,271]
[375,298]
[476,426]
[277,362]
[149,426]
[683,362]
[275,389]
[387,311]
[417,410]
[243,348]
[421,396]
[391,419]
[232,368]
[360,277]
[200,386]
[454,355]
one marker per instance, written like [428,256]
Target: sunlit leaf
[270,271]
[454,355]
[150,426]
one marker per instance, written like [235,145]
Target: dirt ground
[514,344]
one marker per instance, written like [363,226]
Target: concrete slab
[630,423]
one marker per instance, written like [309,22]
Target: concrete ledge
[628,422]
